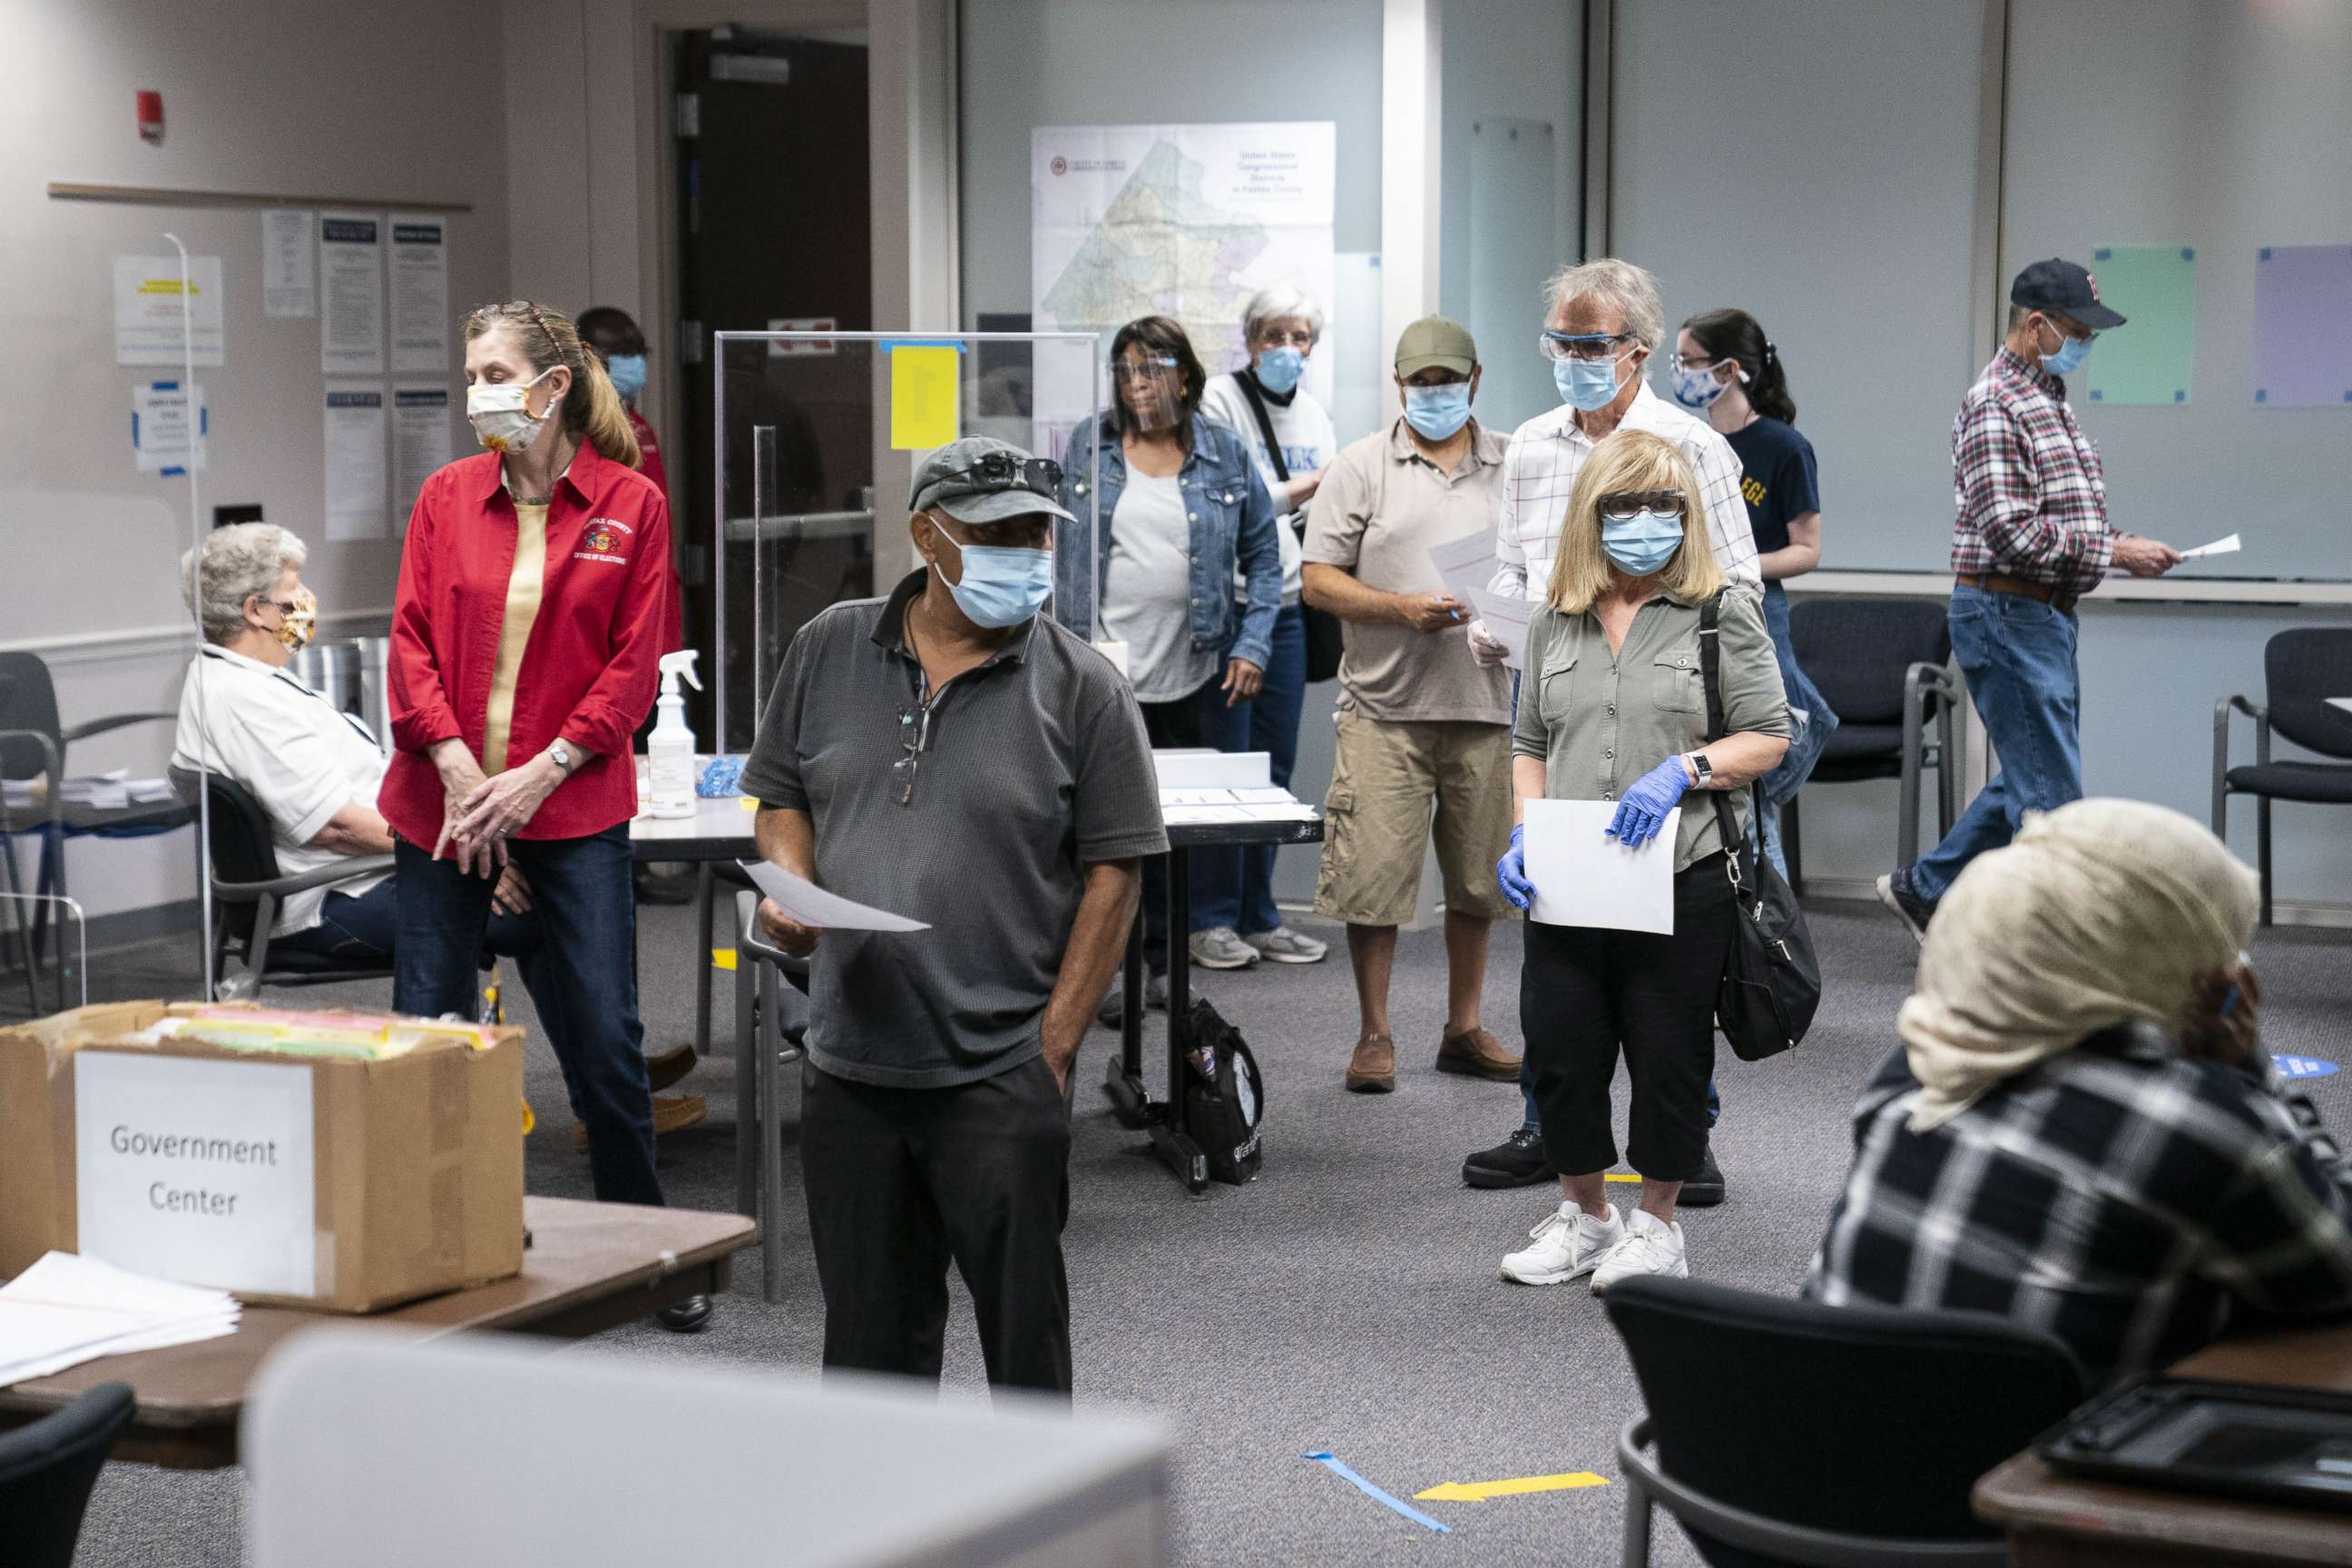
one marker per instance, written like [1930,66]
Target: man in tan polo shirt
[1420,722]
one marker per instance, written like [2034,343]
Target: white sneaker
[1219,948]
[1283,946]
[1568,1242]
[1650,1245]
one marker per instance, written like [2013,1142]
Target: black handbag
[1323,639]
[1224,1098]
[1771,980]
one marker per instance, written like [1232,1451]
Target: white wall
[378,103]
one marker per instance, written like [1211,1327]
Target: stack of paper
[112,791]
[67,1310]
[1268,803]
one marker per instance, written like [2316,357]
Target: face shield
[1150,386]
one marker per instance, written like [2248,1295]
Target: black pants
[900,1181]
[1587,993]
[1194,721]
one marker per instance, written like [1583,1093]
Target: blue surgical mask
[628,374]
[1278,370]
[1588,383]
[1003,585]
[1642,543]
[1437,411]
[1697,388]
[2072,352]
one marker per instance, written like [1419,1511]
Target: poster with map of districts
[1186,221]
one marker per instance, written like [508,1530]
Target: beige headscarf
[2100,911]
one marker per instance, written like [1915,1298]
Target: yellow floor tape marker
[1479,1491]
[722,958]
[1621,1176]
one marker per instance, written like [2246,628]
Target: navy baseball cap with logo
[2066,289]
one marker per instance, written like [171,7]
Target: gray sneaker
[1113,1011]
[1283,946]
[1219,948]
[1897,891]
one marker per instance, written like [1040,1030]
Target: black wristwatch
[1702,767]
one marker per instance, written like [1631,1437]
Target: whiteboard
[1815,164]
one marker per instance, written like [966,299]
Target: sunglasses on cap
[1625,503]
[1003,471]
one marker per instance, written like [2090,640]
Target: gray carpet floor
[1348,1299]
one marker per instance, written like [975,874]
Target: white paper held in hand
[1465,564]
[1584,878]
[811,905]
[1506,620]
[2228,546]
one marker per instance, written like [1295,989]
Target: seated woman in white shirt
[314,771]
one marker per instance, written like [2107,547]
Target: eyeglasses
[1003,471]
[1625,503]
[1681,364]
[1276,338]
[1147,369]
[914,733]
[1581,345]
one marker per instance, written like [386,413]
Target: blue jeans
[1235,887]
[2018,656]
[367,928]
[1806,739]
[584,983]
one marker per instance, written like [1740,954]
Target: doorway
[771,177]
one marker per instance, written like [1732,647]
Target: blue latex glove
[1643,809]
[1511,872]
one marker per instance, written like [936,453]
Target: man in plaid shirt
[1603,320]
[2029,539]
[2121,1196]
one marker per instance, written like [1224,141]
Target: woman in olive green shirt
[1613,706]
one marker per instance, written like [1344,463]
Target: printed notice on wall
[420,294]
[149,326]
[165,439]
[196,1170]
[289,265]
[356,462]
[351,297]
[420,443]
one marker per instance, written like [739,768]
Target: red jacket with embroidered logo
[589,672]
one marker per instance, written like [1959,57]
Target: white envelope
[1584,878]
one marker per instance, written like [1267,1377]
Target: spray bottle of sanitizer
[671,748]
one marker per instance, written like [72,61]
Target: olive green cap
[1435,341]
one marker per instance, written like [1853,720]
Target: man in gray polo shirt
[952,756]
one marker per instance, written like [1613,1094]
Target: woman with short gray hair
[247,567]
[1290,435]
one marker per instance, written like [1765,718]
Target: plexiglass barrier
[801,419]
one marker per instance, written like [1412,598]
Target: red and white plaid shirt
[2031,502]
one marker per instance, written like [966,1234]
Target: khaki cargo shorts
[1378,816]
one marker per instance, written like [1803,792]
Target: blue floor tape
[1333,1463]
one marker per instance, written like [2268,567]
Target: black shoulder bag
[1771,981]
[1323,639]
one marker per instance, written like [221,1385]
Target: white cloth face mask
[500,413]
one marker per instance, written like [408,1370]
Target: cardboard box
[331,1181]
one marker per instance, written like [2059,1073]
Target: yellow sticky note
[722,958]
[923,388]
[747,802]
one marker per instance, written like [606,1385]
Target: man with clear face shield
[952,754]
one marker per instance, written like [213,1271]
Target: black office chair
[33,744]
[47,1470]
[249,889]
[1793,1433]
[1883,668]
[2301,670]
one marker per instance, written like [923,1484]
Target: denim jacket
[1233,522]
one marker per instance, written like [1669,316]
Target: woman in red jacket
[524,636]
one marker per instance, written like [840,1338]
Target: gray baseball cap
[982,480]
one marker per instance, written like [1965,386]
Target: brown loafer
[1477,1054]
[664,1068]
[1372,1069]
[672,1113]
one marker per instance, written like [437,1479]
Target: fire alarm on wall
[151,118]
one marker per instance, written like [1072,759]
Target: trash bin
[373,686]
